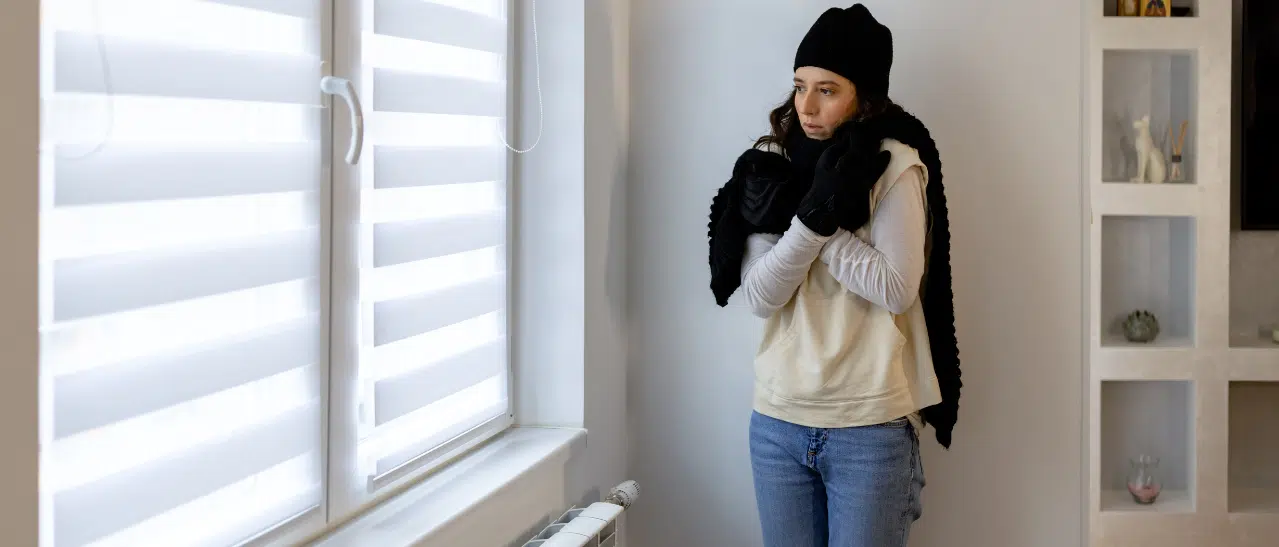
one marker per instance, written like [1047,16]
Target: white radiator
[592,526]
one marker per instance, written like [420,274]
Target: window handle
[342,87]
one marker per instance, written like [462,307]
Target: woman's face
[823,100]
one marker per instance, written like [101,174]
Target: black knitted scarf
[728,233]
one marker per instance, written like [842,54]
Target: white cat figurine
[1150,160]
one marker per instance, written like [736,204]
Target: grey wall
[999,83]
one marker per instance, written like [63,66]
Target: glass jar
[1143,479]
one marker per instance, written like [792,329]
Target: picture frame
[1128,8]
[1156,8]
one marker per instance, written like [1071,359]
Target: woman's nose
[807,105]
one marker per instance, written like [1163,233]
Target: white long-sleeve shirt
[885,270]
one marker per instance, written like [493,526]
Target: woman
[839,224]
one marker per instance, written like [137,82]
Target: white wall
[19,123]
[549,187]
[570,299]
[607,140]
[998,81]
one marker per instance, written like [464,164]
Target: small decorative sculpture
[1141,327]
[1175,172]
[1150,161]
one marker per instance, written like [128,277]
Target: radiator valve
[624,494]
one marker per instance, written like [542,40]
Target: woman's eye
[799,88]
[828,92]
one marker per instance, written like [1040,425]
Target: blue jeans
[844,487]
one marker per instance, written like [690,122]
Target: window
[424,248]
[244,336]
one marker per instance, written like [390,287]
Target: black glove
[819,208]
[844,176]
[766,199]
[863,168]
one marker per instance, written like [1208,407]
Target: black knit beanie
[851,43]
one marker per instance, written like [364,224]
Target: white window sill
[413,517]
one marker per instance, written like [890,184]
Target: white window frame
[348,491]
[345,492]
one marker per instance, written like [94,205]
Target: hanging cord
[107,86]
[537,63]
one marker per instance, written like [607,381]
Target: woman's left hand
[820,209]
[862,169]
[845,175]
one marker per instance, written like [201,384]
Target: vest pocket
[773,355]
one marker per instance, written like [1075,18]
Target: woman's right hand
[763,176]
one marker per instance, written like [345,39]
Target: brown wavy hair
[781,119]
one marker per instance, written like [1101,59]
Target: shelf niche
[1147,263]
[1136,83]
[1154,418]
[1254,447]
[1180,8]
[1254,295]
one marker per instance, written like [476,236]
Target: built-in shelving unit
[1202,397]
